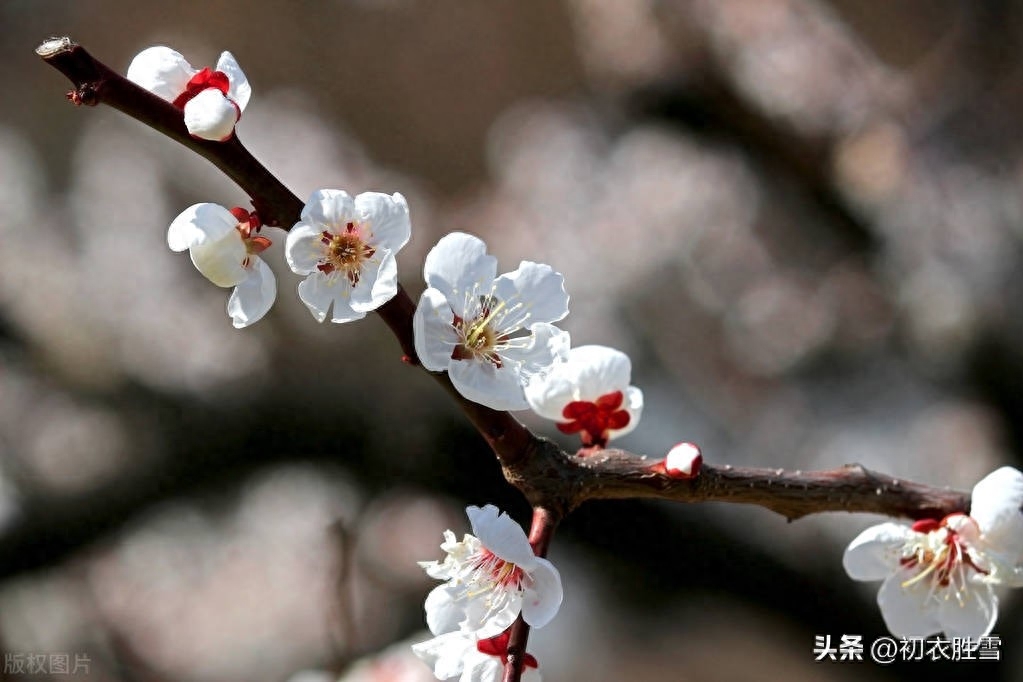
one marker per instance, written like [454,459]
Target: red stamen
[926,525]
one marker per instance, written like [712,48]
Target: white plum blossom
[491,334]
[224,246]
[490,577]
[347,249]
[463,656]
[938,575]
[212,100]
[589,394]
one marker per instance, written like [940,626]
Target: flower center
[345,253]
[207,78]
[478,338]
[495,571]
[498,646]
[593,420]
[942,555]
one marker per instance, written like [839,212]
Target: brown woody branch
[562,482]
[552,480]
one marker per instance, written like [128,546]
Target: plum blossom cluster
[491,576]
[344,246]
[939,575]
[495,337]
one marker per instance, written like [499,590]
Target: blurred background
[802,220]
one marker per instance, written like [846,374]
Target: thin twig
[541,533]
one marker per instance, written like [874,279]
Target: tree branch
[551,479]
[563,482]
[96,83]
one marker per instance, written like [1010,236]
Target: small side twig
[541,532]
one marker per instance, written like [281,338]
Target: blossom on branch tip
[225,246]
[212,100]
[939,575]
[464,656]
[347,249]
[491,576]
[491,334]
[589,394]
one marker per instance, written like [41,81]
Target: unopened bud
[683,461]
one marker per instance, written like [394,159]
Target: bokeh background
[802,219]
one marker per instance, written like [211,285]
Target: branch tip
[55,45]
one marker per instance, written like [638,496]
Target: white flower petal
[221,261]
[482,620]
[974,617]
[200,224]
[501,535]
[210,115]
[303,248]
[378,285]
[387,217]
[445,653]
[443,610]
[322,293]
[995,507]
[162,71]
[328,209]
[253,297]
[542,599]
[239,89]
[598,370]
[548,395]
[875,552]
[480,667]
[459,267]
[434,336]
[539,288]
[498,388]
[905,609]
[537,353]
